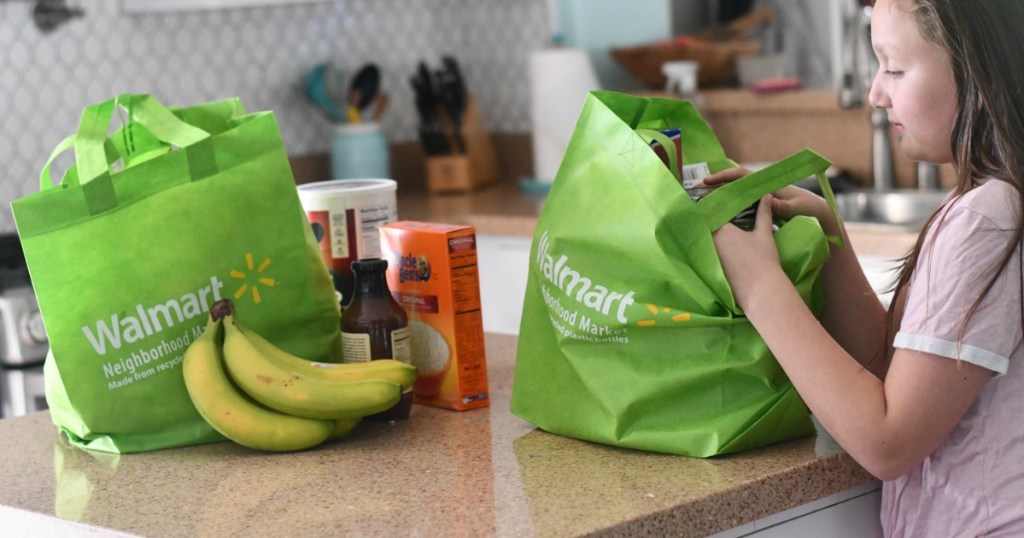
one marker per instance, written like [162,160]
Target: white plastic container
[346,215]
[681,76]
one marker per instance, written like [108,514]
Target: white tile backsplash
[260,54]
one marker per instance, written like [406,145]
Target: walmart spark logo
[246,277]
[674,315]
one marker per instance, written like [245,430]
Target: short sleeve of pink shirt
[953,268]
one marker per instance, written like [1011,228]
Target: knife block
[472,169]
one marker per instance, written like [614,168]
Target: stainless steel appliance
[23,342]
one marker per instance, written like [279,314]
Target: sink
[897,208]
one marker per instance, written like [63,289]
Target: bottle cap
[369,264]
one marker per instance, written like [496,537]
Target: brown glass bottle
[374,326]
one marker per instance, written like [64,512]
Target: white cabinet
[504,263]
[881,271]
[853,513]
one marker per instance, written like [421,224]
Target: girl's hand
[749,259]
[786,203]
[722,177]
[792,201]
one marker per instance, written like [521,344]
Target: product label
[355,347]
[401,345]
[414,302]
[371,218]
[694,174]
[340,225]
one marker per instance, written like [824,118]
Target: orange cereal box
[432,272]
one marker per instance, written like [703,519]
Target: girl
[929,397]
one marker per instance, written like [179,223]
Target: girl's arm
[854,316]
[888,427]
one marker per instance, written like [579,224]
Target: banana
[344,426]
[232,414]
[288,392]
[388,369]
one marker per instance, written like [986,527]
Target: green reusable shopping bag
[148,228]
[630,334]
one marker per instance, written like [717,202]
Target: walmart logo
[251,279]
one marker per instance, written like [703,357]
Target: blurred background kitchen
[57,56]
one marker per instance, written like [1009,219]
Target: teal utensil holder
[360,151]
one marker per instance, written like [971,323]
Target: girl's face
[914,84]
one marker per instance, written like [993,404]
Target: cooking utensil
[380,105]
[453,96]
[334,77]
[316,91]
[352,112]
[432,135]
[457,82]
[363,92]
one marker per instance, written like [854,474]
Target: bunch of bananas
[285,403]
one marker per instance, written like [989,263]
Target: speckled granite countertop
[441,473]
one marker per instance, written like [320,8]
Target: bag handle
[725,202]
[93,149]
[71,174]
[45,177]
[669,147]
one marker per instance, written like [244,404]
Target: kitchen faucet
[859,64]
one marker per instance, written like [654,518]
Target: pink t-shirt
[973,484]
